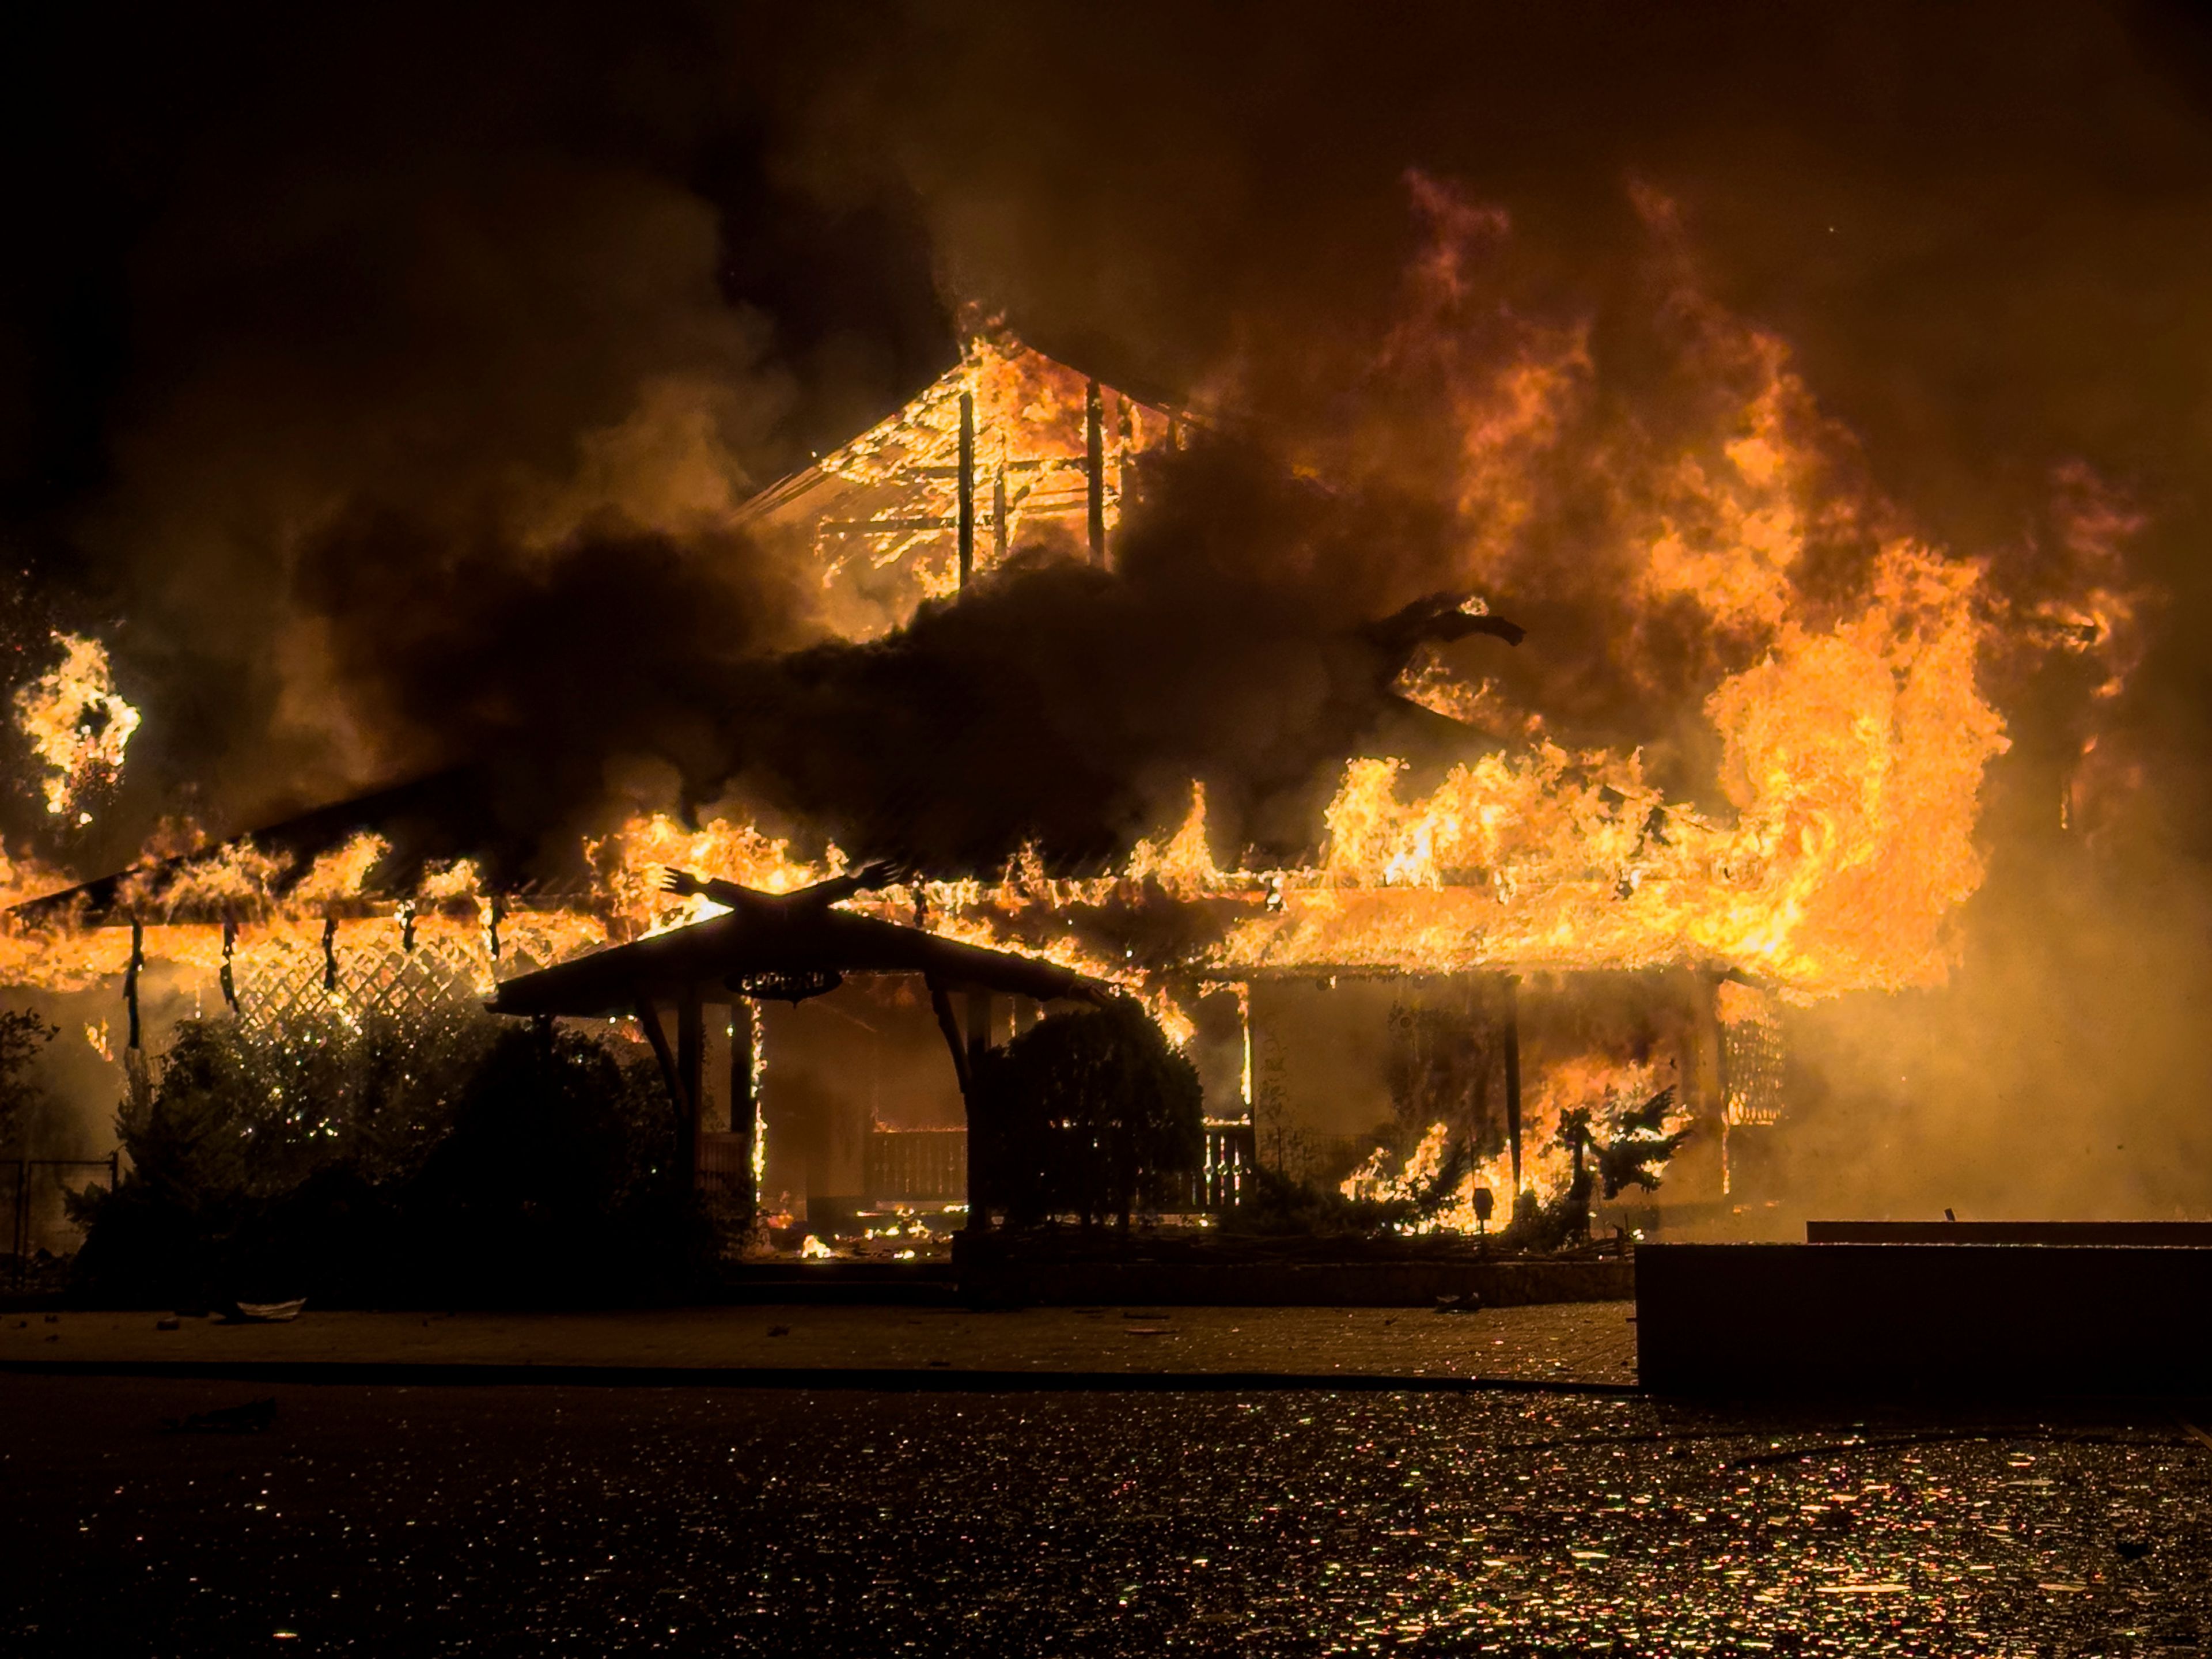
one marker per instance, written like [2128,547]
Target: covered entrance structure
[781,947]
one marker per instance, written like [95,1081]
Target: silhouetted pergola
[779,947]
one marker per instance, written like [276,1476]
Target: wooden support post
[744,1111]
[1513,1084]
[999,513]
[1094,453]
[979,1029]
[691,1071]
[967,487]
[979,1181]
[1244,1082]
[130,972]
[648,1020]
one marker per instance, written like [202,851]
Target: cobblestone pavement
[1583,1342]
[551,1519]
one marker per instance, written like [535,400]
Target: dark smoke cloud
[1053,704]
[493,275]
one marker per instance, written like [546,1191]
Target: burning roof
[1026,451]
[1850,749]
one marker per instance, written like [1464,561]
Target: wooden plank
[967,508]
[1094,460]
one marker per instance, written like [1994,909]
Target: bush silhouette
[448,1160]
[1087,1113]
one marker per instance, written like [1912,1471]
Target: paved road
[1580,1343]
[552,1520]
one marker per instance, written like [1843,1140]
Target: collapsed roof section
[351,857]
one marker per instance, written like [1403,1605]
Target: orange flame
[78,726]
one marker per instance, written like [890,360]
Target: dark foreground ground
[554,1520]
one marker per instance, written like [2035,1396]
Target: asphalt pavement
[154,1516]
[1586,1346]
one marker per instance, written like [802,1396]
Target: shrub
[22,1034]
[1088,1112]
[451,1159]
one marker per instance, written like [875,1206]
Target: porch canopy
[784,947]
[751,950]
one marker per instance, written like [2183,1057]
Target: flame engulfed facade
[1474,949]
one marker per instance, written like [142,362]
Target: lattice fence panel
[283,981]
[1752,1056]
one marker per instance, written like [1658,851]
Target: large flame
[78,726]
[1852,756]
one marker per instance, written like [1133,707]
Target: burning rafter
[1007,449]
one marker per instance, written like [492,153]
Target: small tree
[1084,1111]
[1639,1139]
[22,1035]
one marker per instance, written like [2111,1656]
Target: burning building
[1490,929]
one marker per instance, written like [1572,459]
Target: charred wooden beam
[999,513]
[979,1183]
[967,487]
[940,1003]
[131,973]
[648,1016]
[226,978]
[1094,458]
[979,1029]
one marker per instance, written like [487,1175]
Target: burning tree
[1638,1139]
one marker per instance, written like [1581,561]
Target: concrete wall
[1978,1320]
